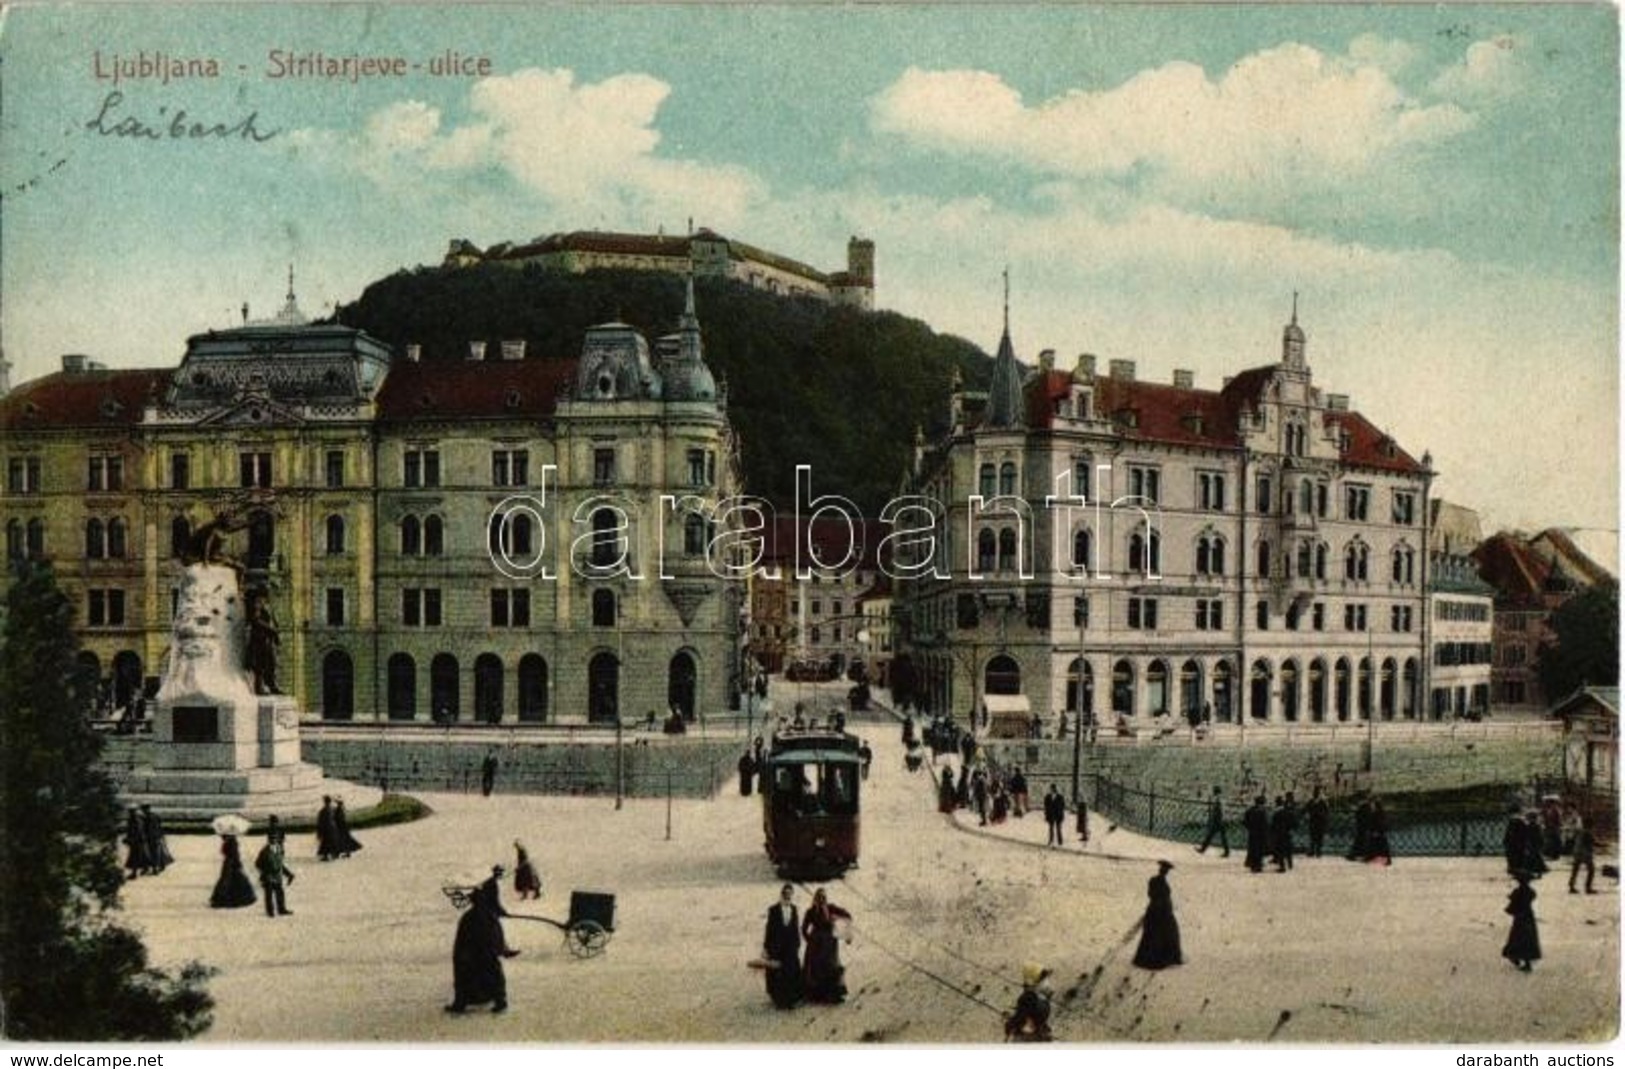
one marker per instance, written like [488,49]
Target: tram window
[838,791]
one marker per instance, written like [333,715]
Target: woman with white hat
[1029,1021]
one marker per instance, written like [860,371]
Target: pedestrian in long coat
[1320,818]
[781,950]
[343,841]
[138,860]
[1257,822]
[1585,851]
[1282,823]
[233,888]
[1523,941]
[158,855]
[978,793]
[747,773]
[1215,824]
[1534,861]
[1159,931]
[1512,841]
[325,837]
[1377,850]
[527,882]
[826,976]
[947,797]
[488,773]
[1360,845]
[476,956]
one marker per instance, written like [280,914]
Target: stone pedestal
[216,746]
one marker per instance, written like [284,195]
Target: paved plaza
[944,915]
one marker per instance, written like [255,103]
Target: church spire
[1292,339]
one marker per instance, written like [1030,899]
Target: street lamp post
[1077,727]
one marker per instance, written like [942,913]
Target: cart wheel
[586,939]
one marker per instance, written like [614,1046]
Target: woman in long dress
[477,953]
[233,889]
[139,859]
[343,842]
[1523,942]
[527,883]
[1159,932]
[826,977]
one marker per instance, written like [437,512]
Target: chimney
[414,353]
[1046,360]
[1123,369]
[513,350]
[1184,379]
[476,350]
[74,363]
[1337,402]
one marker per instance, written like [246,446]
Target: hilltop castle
[709,254]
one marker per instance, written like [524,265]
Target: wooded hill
[808,383]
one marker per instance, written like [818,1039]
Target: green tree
[68,969]
[1584,647]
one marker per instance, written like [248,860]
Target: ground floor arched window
[532,688]
[401,687]
[682,676]
[488,688]
[338,686]
[603,688]
[444,702]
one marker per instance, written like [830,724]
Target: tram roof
[813,757]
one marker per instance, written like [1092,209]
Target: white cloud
[1391,56]
[1289,110]
[589,150]
[1490,70]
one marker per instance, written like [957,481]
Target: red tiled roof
[829,537]
[81,399]
[1573,556]
[1372,448]
[473,389]
[1505,562]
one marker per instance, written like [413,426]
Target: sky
[1439,184]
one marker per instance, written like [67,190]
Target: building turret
[682,365]
[1004,400]
[1292,340]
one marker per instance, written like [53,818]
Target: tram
[810,807]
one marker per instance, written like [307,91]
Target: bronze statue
[207,545]
[263,640]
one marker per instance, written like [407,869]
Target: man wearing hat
[1029,1021]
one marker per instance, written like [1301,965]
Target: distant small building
[1460,616]
[1591,740]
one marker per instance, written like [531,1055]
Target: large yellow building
[360,488]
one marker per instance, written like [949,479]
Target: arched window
[36,539]
[117,538]
[1080,672]
[1306,497]
[1404,565]
[1123,688]
[180,535]
[411,536]
[606,540]
[986,484]
[402,687]
[1263,562]
[1080,549]
[434,537]
[1210,555]
[335,534]
[444,699]
[1320,561]
[1007,478]
[1002,676]
[1354,561]
[1007,550]
[1156,687]
[682,676]
[1341,685]
[986,550]
[16,548]
[1259,699]
[1289,690]
[1145,552]
[338,686]
[1306,559]
[603,688]
[488,688]
[695,534]
[603,608]
[1317,690]
[95,539]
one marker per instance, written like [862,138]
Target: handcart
[586,930]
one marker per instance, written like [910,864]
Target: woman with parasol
[233,889]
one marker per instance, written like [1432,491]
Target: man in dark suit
[1054,814]
[781,950]
[1320,817]
[1215,824]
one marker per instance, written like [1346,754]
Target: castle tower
[860,261]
